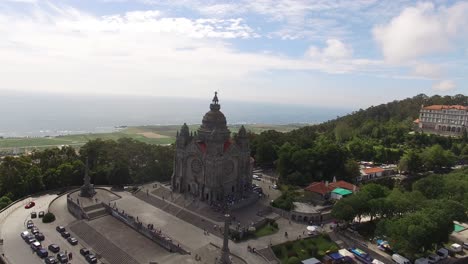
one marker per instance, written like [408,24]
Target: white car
[255,177]
[456,247]
[274,187]
[24,234]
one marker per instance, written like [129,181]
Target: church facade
[210,164]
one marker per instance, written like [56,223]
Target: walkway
[106,248]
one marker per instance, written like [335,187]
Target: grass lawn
[304,248]
[266,230]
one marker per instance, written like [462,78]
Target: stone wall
[75,209]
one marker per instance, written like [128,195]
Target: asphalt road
[16,250]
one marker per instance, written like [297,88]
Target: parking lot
[17,251]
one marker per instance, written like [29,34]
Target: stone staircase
[95,211]
[181,213]
[100,244]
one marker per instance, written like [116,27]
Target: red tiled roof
[440,107]
[343,185]
[318,187]
[372,170]
[416,121]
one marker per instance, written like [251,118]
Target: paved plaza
[187,223]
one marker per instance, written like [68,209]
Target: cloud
[427,70]
[444,86]
[422,30]
[334,50]
[63,49]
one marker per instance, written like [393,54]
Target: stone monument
[87,190]
[225,258]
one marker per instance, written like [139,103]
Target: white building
[443,119]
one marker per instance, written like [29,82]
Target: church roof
[214,120]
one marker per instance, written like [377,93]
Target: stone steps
[92,207]
[97,213]
[100,244]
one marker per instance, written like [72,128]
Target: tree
[342,132]
[411,162]
[435,158]
[4,202]
[432,187]
[352,170]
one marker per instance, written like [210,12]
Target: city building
[209,164]
[322,191]
[450,120]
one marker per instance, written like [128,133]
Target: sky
[334,53]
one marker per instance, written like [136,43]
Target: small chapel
[209,164]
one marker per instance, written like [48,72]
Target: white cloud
[427,70]
[335,50]
[22,1]
[63,49]
[422,30]
[444,86]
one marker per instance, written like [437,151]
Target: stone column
[225,250]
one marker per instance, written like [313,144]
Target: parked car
[60,229]
[443,253]
[456,248]
[84,251]
[465,245]
[39,236]
[42,252]
[54,248]
[274,187]
[30,224]
[50,260]
[421,261]
[34,230]
[65,234]
[30,205]
[73,241]
[33,215]
[24,235]
[41,214]
[433,258]
[30,239]
[400,259]
[255,177]
[91,258]
[36,245]
[62,258]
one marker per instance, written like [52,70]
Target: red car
[30,205]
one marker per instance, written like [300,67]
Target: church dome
[214,125]
[214,119]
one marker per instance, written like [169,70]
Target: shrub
[294,260]
[48,218]
[275,225]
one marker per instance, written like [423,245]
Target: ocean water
[35,115]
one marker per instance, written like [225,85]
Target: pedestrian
[285,234]
[303,232]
